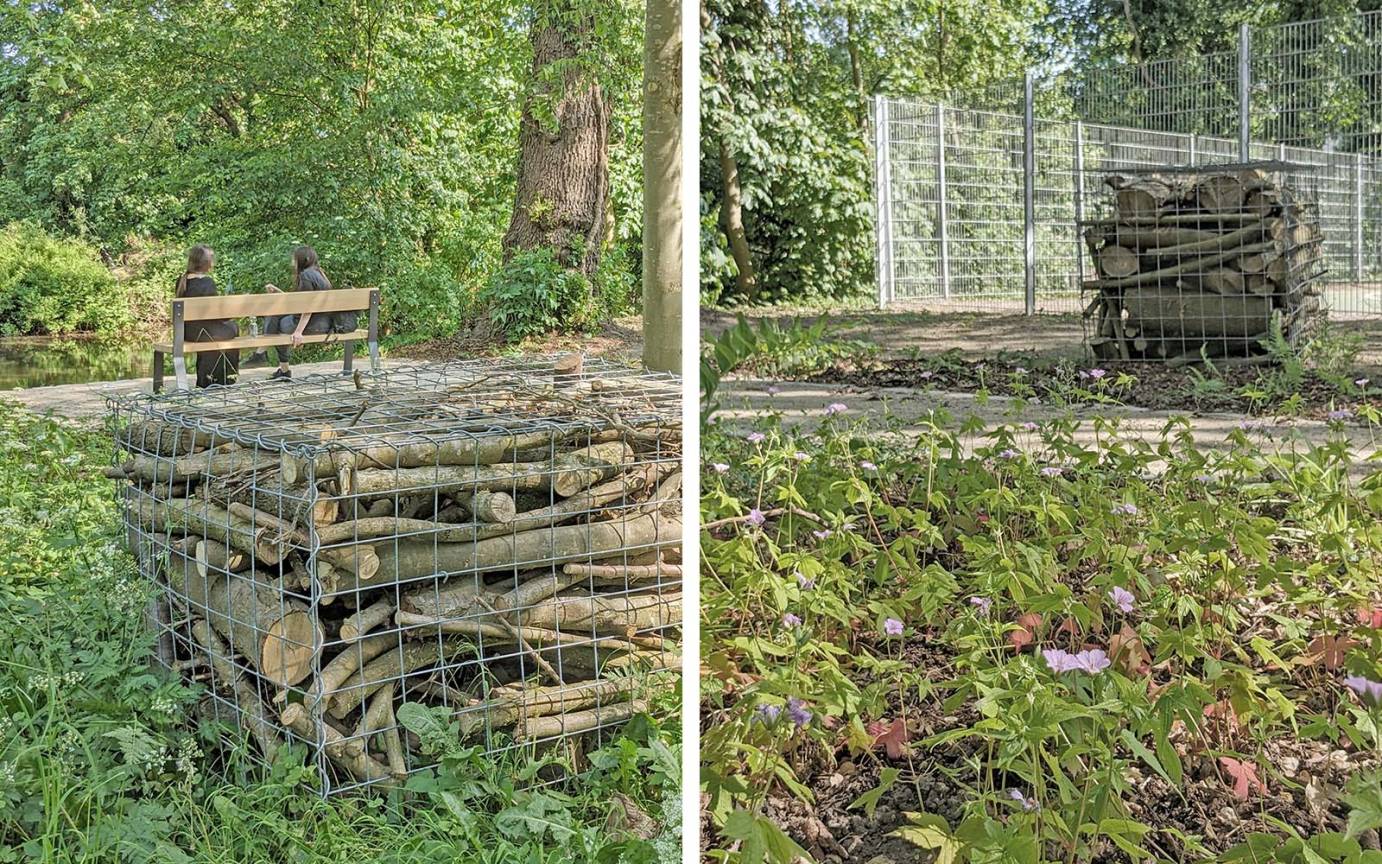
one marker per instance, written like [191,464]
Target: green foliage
[533,294]
[384,134]
[99,762]
[54,286]
[779,95]
[1252,581]
[773,350]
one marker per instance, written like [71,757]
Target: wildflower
[1204,479]
[1128,509]
[1021,370]
[823,534]
[892,627]
[1092,374]
[926,375]
[1368,690]
[1029,426]
[790,620]
[801,456]
[1123,599]
[1060,661]
[1361,383]
[720,467]
[1251,425]
[982,605]
[798,712]
[1008,453]
[1028,804]
[1052,471]
[773,390]
[805,583]
[1339,414]
[867,465]
[756,437]
[769,713]
[756,517]
[835,408]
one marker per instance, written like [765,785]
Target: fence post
[1244,92]
[1029,193]
[1194,141]
[881,193]
[942,222]
[1079,204]
[1358,217]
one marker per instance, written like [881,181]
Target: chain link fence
[979,199]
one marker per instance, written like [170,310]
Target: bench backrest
[287,303]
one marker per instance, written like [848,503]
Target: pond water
[29,361]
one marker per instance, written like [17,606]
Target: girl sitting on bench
[213,367]
[307,276]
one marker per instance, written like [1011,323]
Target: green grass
[99,762]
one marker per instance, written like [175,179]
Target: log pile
[1203,264]
[504,545]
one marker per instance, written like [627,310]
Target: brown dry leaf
[893,736]
[1329,650]
[1126,650]
[1244,776]
[1025,634]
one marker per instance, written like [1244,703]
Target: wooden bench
[268,305]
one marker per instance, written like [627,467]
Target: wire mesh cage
[494,545]
[1204,263]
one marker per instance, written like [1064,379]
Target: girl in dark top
[307,276]
[213,367]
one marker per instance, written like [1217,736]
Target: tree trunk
[563,168]
[732,220]
[662,222]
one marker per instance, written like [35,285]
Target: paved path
[87,401]
[798,404]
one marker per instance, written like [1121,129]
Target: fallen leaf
[1025,633]
[1244,776]
[1370,617]
[1126,650]
[1329,650]
[893,736]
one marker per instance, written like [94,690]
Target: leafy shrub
[55,286]
[534,294]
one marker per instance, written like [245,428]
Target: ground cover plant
[105,759]
[1010,646]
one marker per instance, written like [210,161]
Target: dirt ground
[903,331]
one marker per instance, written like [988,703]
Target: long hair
[305,258]
[199,261]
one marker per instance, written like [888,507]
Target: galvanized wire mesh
[978,196]
[489,550]
[1218,263]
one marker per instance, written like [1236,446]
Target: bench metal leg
[374,356]
[158,371]
[180,370]
[349,358]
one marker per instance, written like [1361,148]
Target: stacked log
[525,577]
[1205,263]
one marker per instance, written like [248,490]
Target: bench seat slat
[287,303]
[360,335]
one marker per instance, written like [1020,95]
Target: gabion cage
[1210,263]
[494,545]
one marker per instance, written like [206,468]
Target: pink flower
[835,408]
[1368,690]
[1052,471]
[720,467]
[801,456]
[982,605]
[868,466]
[790,620]
[756,517]
[823,534]
[892,627]
[755,437]
[1029,426]
[1028,804]
[1092,662]
[797,711]
[773,390]
[805,583]
[1123,599]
